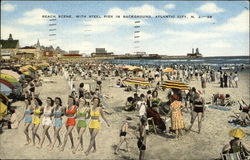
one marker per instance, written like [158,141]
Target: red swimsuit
[71,121]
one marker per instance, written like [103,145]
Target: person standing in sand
[141,143]
[123,133]
[177,122]
[70,123]
[37,112]
[203,83]
[94,124]
[47,121]
[82,111]
[27,119]
[198,110]
[57,123]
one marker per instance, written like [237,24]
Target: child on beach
[123,138]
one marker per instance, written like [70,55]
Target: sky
[221,30]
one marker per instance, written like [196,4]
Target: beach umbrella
[26,73]
[8,84]
[167,70]
[132,68]
[136,82]
[8,78]
[237,133]
[126,67]
[11,73]
[175,85]
[3,110]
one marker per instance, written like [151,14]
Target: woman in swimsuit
[198,110]
[27,119]
[46,121]
[71,122]
[94,124]
[57,123]
[37,112]
[82,111]
[123,138]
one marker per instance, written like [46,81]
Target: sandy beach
[206,145]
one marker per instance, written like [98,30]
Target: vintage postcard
[165,80]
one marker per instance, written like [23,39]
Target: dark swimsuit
[123,133]
[198,109]
[140,144]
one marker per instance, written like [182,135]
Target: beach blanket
[237,125]
[219,108]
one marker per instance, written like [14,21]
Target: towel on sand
[219,108]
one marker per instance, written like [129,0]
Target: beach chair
[231,156]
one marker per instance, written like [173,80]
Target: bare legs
[68,133]
[93,133]
[26,132]
[122,139]
[141,156]
[34,133]
[194,115]
[80,132]
[56,136]
[45,132]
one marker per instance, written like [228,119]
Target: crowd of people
[84,108]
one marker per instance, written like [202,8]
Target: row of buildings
[10,49]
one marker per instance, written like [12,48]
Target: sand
[207,145]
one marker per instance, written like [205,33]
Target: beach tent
[175,85]
[168,70]
[8,78]
[3,110]
[11,73]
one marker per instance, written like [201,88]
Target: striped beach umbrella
[11,73]
[138,81]
[8,78]
[8,84]
[175,85]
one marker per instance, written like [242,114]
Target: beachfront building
[101,52]
[9,48]
[194,55]
[29,52]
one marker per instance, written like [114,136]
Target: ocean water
[213,62]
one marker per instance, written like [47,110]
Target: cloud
[191,18]
[145,10]
[169,6]
[210,8]
[187,35]
[239,23]
[8,7]
[34,17]
[101,25]
[26,37]
[220,44]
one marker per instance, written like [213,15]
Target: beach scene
[163,80]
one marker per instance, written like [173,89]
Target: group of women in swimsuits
[77,113]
